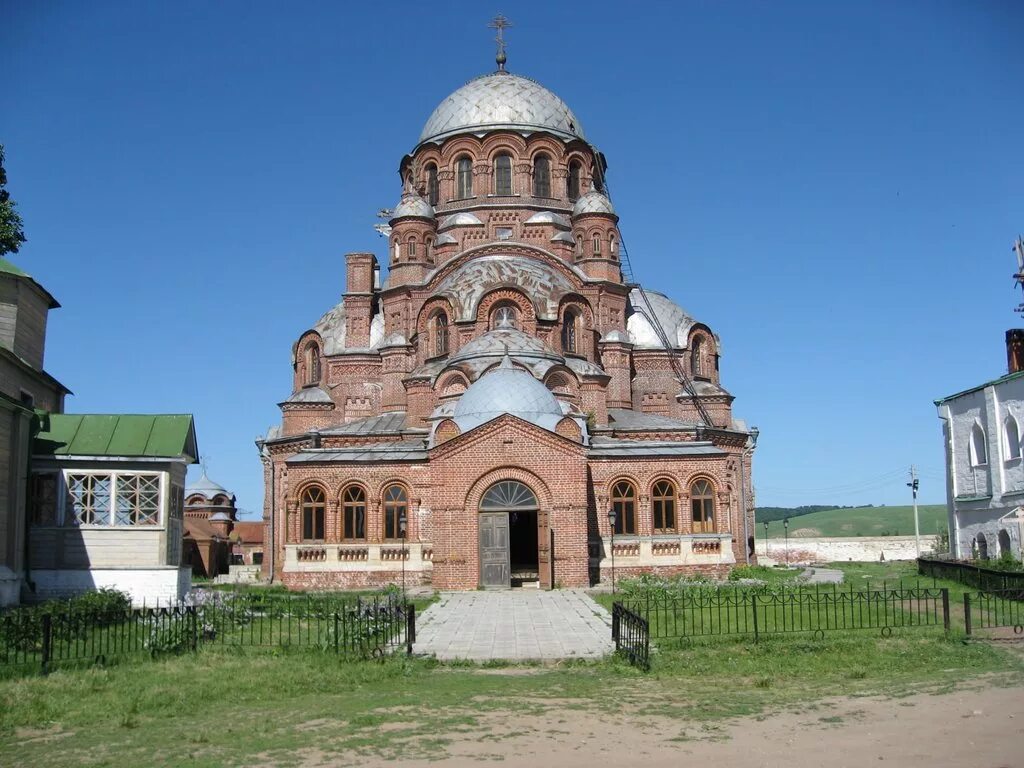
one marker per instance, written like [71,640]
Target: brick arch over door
[527,478]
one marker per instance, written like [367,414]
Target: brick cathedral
[504,409]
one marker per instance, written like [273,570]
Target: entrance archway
[508,536]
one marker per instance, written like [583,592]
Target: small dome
[507,389]
[219,517]
[672,318]
[396,339]
[504,341]
[593,202]
[464,219]
[412,205]
[616,335]
[501,100]
[205,487]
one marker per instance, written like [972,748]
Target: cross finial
[500,23]
[203,463]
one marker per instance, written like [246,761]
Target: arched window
[396,510]
[981,547]
[312,363]
[1004,544]
[314,503]
[612,246]
[428,246]
[464,178]
[412,248]
[542,176]
[508,495]
[579,246]
[503,175]
[696,363]
[597,243]
[433,189]
[979,457]
[624,504]
[396,251]
[573,185]
[353,512]
[569,331]
[505,316]
[1012,432]
[440,334]
[663,504]
[703,501]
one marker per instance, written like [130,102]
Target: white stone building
[983,427]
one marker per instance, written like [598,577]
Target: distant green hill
[861,521]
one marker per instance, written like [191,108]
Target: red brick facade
[512,256]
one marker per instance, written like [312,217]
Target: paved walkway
[516,624]
[822,576]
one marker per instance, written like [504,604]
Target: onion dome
[507,389]
[501,101]
[593,202]
[412,204]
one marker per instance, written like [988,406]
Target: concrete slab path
[514,625]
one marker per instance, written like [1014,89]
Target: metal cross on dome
[500,23]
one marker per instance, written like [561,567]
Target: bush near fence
[56,634]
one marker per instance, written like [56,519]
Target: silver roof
[625,418]
[309,395]
[445,239]
[675,322]
[616,335]
[502,341]
[204,486]
[412,205]
[601,447]
[391,422]
[464,219]
[593,202]
[408,450]
[501,100]
[549,217]
[507,389]
[331,327]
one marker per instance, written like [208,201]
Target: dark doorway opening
[523,548]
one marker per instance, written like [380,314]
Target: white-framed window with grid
[102,499]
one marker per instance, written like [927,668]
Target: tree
[11,233]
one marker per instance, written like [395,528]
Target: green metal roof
[128,435]
[1000,380]
[8,268]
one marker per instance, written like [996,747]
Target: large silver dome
[507,389]
[501,100]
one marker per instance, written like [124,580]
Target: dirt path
[974,728]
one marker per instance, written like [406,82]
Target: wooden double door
[514,549]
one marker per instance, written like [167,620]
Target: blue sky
[833,187]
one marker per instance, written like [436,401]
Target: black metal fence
[995,609]
[632,636]
[709,611]
[33,639]
[978,577]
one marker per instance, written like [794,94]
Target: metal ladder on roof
[674,355]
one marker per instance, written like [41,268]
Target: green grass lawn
[864,521]
[256,707]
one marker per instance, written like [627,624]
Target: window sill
[1012,461]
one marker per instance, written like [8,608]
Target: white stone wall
[147,586]
[978,496]
[856,549]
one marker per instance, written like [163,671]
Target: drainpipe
[33,430]
[265,455]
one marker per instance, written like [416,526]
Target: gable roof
[117,435]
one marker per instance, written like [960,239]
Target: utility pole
[917,526]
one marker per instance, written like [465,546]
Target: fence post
[47,642]
[410,628]
[336,633]
[945,609]
[615,625]
[967,612]
[753,604]
[193,619]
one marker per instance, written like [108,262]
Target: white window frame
[976,460]
[1011,454]
[65,509]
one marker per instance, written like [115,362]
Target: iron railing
[976,576]
[632,636]
[991,610]
[708,612]
[31,639]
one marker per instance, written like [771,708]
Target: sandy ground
[975,728]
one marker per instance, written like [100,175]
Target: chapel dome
[412,204]
[501,100]
[593,202]
[206,488]
[507,389]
